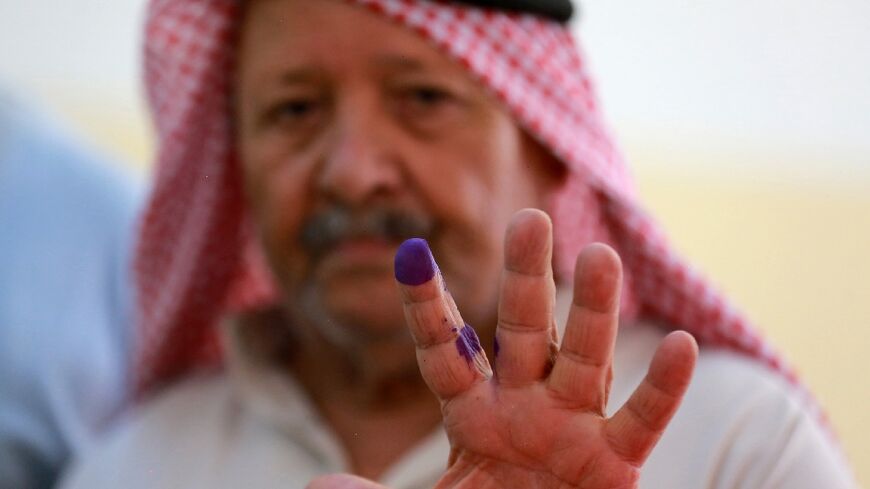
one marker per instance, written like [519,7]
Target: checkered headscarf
[196,259]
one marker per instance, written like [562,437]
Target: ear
[547,170]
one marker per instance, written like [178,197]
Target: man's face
[355,134]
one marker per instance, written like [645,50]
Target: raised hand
[538,420]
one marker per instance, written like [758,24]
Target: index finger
[449,354]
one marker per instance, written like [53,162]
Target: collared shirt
[740,426]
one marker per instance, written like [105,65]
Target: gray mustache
[324,230]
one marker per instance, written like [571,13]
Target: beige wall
[794,257]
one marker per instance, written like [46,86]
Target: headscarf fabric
[197,260]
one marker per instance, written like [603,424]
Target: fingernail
[414,263]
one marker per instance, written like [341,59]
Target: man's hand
[538,420]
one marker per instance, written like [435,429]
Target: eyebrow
[301,75]
[309,74]
[403,63]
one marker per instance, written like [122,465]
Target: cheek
[470,207]
[486,195]
[277,197]
[458,185]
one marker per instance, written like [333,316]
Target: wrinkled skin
[538,420]
[341,109]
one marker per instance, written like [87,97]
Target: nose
[359,164]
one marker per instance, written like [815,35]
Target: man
[301,143]
[66,226]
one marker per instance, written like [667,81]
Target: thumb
[343,481]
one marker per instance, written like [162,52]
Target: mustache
[325,229]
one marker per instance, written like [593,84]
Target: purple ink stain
[495,346]
[414,264]
[467,343]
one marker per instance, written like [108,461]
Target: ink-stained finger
[526,334]
[635,429]
[581,375]
[448,351]
[430,316]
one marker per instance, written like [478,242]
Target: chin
[355,310]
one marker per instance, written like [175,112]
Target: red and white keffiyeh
[196,259]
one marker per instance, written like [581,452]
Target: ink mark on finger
[414,264]
[467,343]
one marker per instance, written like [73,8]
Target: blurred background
[747,124]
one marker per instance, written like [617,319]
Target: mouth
[363,255]
[364,248]
[341,241]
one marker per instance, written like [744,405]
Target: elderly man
[301,144]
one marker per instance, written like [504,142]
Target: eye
[294,111]
[429,95]
[427,103]
[423,97]
[296,108]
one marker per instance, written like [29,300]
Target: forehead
[333,35]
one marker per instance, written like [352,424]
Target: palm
[539,421]
[556,447]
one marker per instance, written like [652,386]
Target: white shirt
[740,426]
